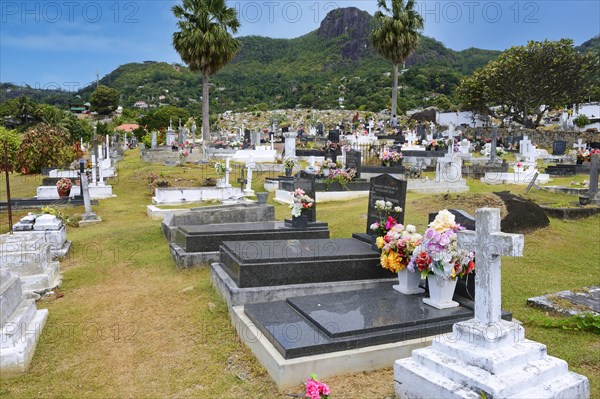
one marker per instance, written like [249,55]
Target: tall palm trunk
[205,102]
[394,89]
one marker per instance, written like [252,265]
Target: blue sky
[63,43]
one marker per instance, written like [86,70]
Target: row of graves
[29,269]
[304,303]
[101,166]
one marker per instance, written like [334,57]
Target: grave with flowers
[334,306]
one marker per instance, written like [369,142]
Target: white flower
[380,204]
[443,221]
[397,209]
[388,205]
[411,229]
[374,226]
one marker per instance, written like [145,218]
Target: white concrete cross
[450,135]
[525,146]
[250,165]
[411,137]
[489,244]
[227,171]
[579,145]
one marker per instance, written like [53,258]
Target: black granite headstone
[559,147]
[306,182]
[247,135]
[334,136]
[353,161]
[595,145]
[285,129]
[387,188]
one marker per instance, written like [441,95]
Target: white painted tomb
[31,260]
[487,356]
[21,325]
[53,232]
[184,195]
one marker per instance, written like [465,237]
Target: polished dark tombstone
[289,262]
[353,161]
[334,136]
[325,323]
[594,145]
[385,188]
[208,238]
[247,137]
[306,182]
[561,170]
[559,147]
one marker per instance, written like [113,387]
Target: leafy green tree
[204,42]
[44,146]
[11,138]
[159,118]
[526,81]
[104,100]
[396,35]
[24,108]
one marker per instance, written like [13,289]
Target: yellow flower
[393,261]
[383,259]
[443,221]
[380,242]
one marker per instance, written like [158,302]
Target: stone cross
[410,138]
[524,146]
[579,145]
[272,141]
[227,171]
[250,165]
[450,134]
[489,244]
[494,144]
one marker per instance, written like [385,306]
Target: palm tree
[396,35]
[25,107]
[204,41]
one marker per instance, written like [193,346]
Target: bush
[44,146]
[581,121]
[12,140]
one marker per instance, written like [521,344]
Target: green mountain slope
[316,70]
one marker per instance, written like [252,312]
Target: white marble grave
[487,356]
[51,231]
[31,259]
[97,191]
[21,325]
[263,154]
[184,195]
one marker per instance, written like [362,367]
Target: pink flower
[325,389]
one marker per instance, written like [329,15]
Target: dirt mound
[523,215]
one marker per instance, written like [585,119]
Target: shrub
[12,140]
[581,121]
[44,146]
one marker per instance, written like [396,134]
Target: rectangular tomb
[325,323]
[283,262]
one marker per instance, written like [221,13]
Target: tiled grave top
[358,312]
[297,250]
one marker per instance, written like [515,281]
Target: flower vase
[64,193]
[220,183]
[288,172]
[300,222]
[325,172]
[408,282]
[441,291]
[386,164]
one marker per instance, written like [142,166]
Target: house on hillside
[140,105]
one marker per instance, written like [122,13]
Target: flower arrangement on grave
[64,184]
[586,155]
[439,254]
[500,151]
[385,224]
[289,162]
[389,157]
[184,151]
[220,168]
[397,246]
[300,202]
[342,176]
[435,145]
[316,389]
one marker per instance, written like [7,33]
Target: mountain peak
[351,24]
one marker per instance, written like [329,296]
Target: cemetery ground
[127,323]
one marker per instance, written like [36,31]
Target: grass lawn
[131,325]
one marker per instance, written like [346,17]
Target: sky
[64,43]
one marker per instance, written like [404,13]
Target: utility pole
[97,79]
[8,204]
